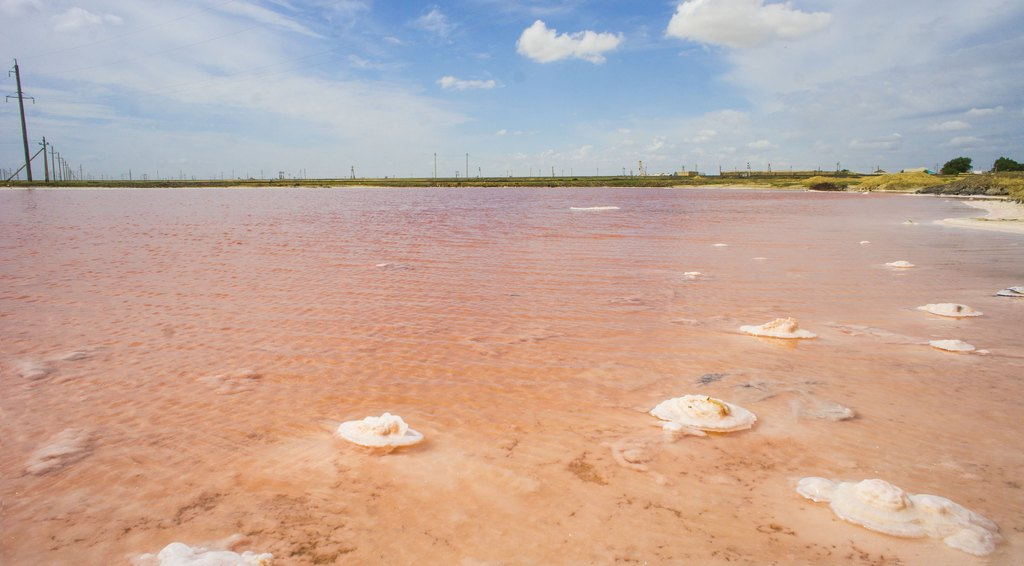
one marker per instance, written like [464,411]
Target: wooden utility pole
[24,129]
[46,165]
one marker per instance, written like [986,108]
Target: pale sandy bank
[1003,216]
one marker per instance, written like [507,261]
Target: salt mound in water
[901,264]
[62,450]
[779,328]
[703,413]
[952,310]
[951,345]
[1011,292]
[33,369]
[883,507]
[386,430]
[181,554]
[593,208]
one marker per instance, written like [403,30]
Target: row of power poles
[55,167]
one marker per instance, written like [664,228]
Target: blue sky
[315,87]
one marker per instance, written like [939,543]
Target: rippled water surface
[173,362]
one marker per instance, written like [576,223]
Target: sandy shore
[1003,216]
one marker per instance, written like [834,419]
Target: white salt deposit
[33,369]
[692,275]
[1011,292]
[181,554]
[593,208]
[864,242]
[883,507]
[952,310]
[901,264]
[61,450]
[721,245]
[779,328]
[760,258]
[702,413]
[386,430]
[951,345]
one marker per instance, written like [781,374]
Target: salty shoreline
[1003,216]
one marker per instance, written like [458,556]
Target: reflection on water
[173,361]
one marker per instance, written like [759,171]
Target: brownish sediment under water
[172,363]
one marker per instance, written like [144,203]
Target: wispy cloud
[762,144]
[984,111]
[545,45]
[450,82]
[887,143]
[77,18]
[964,141]
[949,126]
[742,23]
[435,22]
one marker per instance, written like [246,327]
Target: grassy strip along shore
[990,184]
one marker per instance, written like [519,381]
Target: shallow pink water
[191,349]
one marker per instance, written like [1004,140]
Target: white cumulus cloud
[547,45]
[76,18]
[742,23]
[450,82]
[949,126]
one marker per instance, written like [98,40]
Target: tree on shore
[956,166]
[1007,164]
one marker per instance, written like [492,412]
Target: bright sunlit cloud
[545,45]
[742,23]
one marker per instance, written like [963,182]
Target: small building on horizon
[918,170]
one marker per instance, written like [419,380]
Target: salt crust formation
[721,245]
[779,328]
[693,275]
[694,414]
[1011,292]
[62,450]
[865,242]
[386,430]
[883,507]
[901,264]
[951,345]
[181,554]
[952,310]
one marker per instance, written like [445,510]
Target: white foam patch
[721,245]
[865,242]
[62,450]
[883,507]
[593,208]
